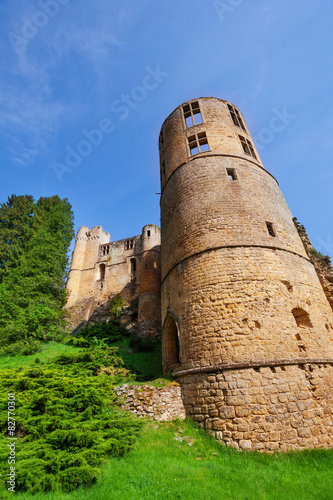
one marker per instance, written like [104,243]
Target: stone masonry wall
[157,403]
[264,408]
[101,269]
[247,327]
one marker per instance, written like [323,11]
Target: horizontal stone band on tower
[247,329]
[253,364]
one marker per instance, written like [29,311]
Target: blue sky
[68,65]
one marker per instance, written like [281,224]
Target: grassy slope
[50,350]
[161,466]
[148,363]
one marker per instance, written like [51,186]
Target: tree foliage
[68,420]
[34,239]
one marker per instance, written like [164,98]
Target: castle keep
[101,269]
[247,322]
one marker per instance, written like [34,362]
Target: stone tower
[246,326]
[149,310]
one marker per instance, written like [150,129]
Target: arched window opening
[133,266]
[102,271]
[302,318]
[171,343]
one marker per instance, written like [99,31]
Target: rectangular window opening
[189,121]
[247,147]
[192,114]
[270,229]
[128,244]
[148,233]
[231,174]
[198,143]
[197,117]
[236,117]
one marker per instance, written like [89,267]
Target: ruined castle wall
[101,269]
[84,256]
[237,284]
[322,263]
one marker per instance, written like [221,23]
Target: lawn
[179,461]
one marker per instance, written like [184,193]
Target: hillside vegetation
[34,240]
[72,439]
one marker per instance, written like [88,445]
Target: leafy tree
[33,261]
[15,230]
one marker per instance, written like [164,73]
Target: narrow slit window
[236,117]
[192,114]
[270,229]
[198,143]
[102,271]
[163,173]
[148,233]
[231,172]
[247,147]
[133,266]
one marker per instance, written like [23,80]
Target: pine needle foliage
[34,239]
[68,420]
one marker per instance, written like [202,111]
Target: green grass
[197,467]
[193,465]
[49,351]
[146,365]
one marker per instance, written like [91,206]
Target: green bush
[109,331]
[116,306]
[318,254]
[67,420]
[140,344]
[22,347]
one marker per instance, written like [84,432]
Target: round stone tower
[246,326]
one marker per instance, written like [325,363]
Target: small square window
[231,172]
[198,143]
[192,114]
[271,229]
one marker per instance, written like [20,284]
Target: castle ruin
[247,321]
[101,269]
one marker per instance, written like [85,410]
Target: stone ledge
[253,364]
